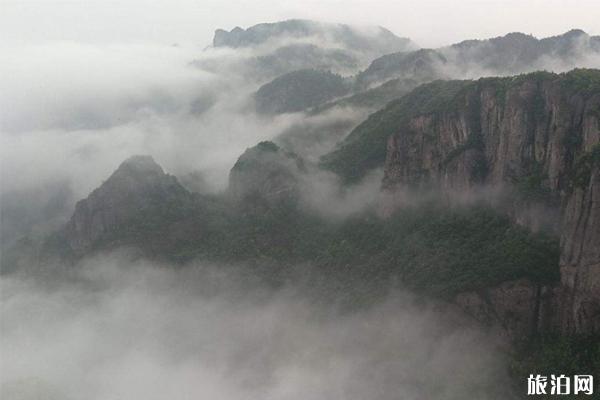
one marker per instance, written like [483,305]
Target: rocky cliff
[580,248]
[537,136]
[137,189]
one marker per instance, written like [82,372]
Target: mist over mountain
[270,50]
[299,210]
[511,54]
[373,39]
[394,75]
[299,90]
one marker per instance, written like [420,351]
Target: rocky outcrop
[537,135]
[265,175]
[138,187]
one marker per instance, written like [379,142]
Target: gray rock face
[138,185]
[538,135]
[580,257]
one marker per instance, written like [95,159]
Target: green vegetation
[364,149]
[532,187]
[374,98]
[443,252]
[582,170]
[431,249]
[252,155]
[582,80]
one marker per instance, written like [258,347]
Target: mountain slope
[266,51]
[138,206]
[364,148]
[538,134]
[511,54]
[299,90]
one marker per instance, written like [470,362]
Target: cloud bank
[125,328]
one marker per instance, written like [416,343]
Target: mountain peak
[141,160]
[575,32]
[138,187]
[265,174]
[139,164]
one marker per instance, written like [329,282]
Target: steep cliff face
[580,249]
[138,187]
[535,135]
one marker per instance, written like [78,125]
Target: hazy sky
[429,22]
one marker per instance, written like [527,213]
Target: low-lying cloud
[132,329]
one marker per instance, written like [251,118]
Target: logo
[560,385]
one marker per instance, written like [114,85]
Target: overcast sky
[430,23]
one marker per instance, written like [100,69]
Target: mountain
[264,64]
[364,148]
[299,90]
[266,51]
[262,222]
[511,54]
[137,193]
[265,173]
[391,76]
[539,133]
[421,65]
[378,40]
[520,155]
[372,99]
[536,134]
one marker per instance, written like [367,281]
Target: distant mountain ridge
[299,90]
[379,40]
[269,50]
[510,54]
